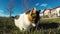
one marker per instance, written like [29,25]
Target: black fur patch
[28,12]
[17,17]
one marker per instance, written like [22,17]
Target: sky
[19,6]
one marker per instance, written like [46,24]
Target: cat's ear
[34,10]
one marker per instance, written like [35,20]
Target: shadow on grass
[52,25]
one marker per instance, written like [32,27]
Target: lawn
[7,26]
[50,20]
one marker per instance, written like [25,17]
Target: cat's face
[33,15]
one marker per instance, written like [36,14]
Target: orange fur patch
[30,18]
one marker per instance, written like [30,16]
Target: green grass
[50,20]
[7,26]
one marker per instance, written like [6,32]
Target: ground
[7,26]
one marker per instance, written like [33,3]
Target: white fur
[23,23]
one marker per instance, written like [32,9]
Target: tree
[10,8]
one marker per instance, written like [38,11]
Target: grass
[7,26]
[50,20]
